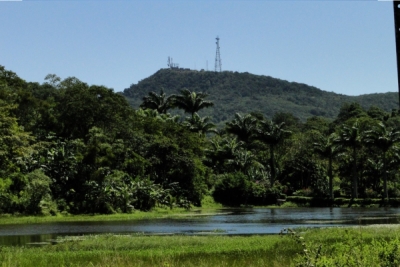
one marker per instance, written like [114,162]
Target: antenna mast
[217,57]
[396,8]
[171,64]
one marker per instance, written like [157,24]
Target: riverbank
[356,246]
[209,207]
[156,213]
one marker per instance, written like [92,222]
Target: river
[225,221]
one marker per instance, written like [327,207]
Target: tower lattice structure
[396,7]
[218,63]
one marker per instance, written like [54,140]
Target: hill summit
[234,92]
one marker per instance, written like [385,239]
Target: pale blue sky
[347,47]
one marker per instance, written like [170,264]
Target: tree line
[70,147]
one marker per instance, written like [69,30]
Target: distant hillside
[234,92]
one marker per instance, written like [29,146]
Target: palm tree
[373,169]
[152,113]
[384,139]
[221,150]
[244,161]
[351,136]
[162,103]
[242,126]
[328,148]
[191,102]
[200,125]
[149,113]
[272,134]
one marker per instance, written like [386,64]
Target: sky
[346,47]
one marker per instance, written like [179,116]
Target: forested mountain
[233,92]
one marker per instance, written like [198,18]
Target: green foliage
[102,156]
[190,101]
[262,193]
[35,198]
[351,248]
[82,107]
[160,102]
[146,195]
[244,127]
[199,125]
[232,189]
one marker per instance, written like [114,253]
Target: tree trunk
[385,189]
[272,164]
[354,178]
[330,178]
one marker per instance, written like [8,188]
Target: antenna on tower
[171,64]
[217,57]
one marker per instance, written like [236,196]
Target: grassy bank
[208,207]
[136,215]
[358,246]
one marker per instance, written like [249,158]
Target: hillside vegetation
[233,92]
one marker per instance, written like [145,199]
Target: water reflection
[226,221]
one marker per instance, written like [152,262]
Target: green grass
[209,206]
[136,250]
[208,202]
[357,246]
[136,215]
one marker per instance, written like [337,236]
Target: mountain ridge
[234,92]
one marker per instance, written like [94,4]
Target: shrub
[36,195]
[232,189]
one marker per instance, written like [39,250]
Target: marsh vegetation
[358,246]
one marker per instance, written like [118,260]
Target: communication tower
[218,63]
[171,64]
[396,7]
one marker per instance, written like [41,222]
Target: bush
[261,193]
[232,189]
[299,200]
[36,196]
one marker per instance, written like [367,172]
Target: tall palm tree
[160,102]
[351,137]
[272,134]
[328,148]
[384,139]
[191,102]
[242,126]
[200,125]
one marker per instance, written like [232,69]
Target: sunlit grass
[209,206]
[368,246]
[157,213]
[137,250]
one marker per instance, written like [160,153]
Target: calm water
[231,222]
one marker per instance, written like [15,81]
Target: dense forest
[70,147]
[234,92]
